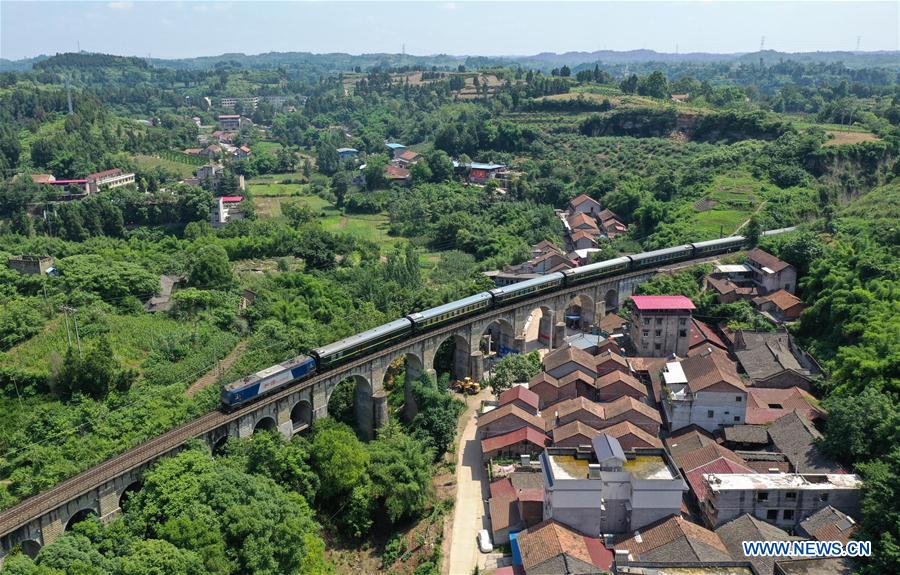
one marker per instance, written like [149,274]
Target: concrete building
[230,122]
[606,490]
[585,204]
[226,209]
[347,153]
[770,273]
[110,179]
[661,325]
[395,149]
[783,499]
[704,390]
[30,265]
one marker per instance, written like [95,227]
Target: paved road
[469,513]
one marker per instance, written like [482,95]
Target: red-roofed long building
[661,325]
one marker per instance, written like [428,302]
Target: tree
[155,557]
[435,422]
[340,459]
[340,187]
[420,172]
[753,230]
[208,267]
[514,368]
[861,427]
[400,471]
[93,373]
[327,158]
[630,84]
[441,166]
[374,172]
[654,85]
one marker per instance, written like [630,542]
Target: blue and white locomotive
[356,346]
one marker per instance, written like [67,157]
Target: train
[333,355]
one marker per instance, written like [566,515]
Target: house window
[762,496]
[792,495]
[772,515]
[738,399]
[646,321]
[646,332]
[658,332]
[657,346]
[788,514]
[710,413]
[682,321]
[737,418]
[659,321]
[682,333]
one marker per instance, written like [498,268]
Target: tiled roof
[624,428]
[581,218]
[609,355]
[579,234]
[766,260]
[748,528]
[796,437]
[782,299]
[765,405]
[829,524]
[708,369]
[580,199]
[617,376]
[662,302]
[393,172]
[503,506]
[569,406]
[521,393]
[572,429]
[576,375]
[688,439]
[763,354]
[702,334]
[690,460]
[625,404]
[549,539]
[510,409]
[607,214]
[611,322]
[675,539]
[755,434]
[566,354]
[513,437]
[543,377]
[721,465]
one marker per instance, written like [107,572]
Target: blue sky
[184,29]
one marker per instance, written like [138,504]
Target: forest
[327,249]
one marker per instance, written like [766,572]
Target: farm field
[262,189]
[151,162]
[844,138]
[730,200]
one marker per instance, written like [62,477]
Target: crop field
[151,162]
[261,189]
[845,138]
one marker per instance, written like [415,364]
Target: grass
[372,227]
[151,162]
[269,148]
[263,189]
[736,196]
[712,222]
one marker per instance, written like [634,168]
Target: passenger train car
[340,352]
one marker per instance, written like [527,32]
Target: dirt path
[210,376]
[471,491]
[747,221]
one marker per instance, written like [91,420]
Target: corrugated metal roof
[662,302]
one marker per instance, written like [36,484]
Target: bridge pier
[476,366]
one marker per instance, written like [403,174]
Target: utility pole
[65,310]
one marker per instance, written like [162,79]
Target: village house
[108,179]
[584,204]
[347,153]
[672,539]
[396,174]
[771,359]
[563,361]
[31,265]
[583,239]
[633,411]
[551,548]
[608,361]
[661,324]
[408,158]
[543,247]
[704,337]
[583,222]
[230,122]
[765,405]
[574,434]
[226,209]
[749,528]
[507,418]
[630,436]
[480,173]
[522,441]
[704,390]
[688,439]
[781,306]
[783,499]
[616,384]
[770,273]
[829,524]
[797,438]
[606,490]
[610,224]
[514,506]
[243,152]
[580,409]
[395,149]
[212,152]
[522,397]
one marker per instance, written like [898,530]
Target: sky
[175,29]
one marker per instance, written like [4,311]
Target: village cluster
[662,442]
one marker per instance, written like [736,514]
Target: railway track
[78,485]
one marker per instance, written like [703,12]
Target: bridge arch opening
[538,328]
[580,313]
[351,402]
[130,491]
[452,357]
[497,340]
[611,301]
[79,516]
[218,446]
[30,547]
[301,416]
[266,423]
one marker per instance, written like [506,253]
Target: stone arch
[498,339]
[129,492]
[452,356]
[30,547]
[611,300]
[301,416]
[265,423]
[218,445]
[351,401]
[580,312]
[79,516]
[537,330]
